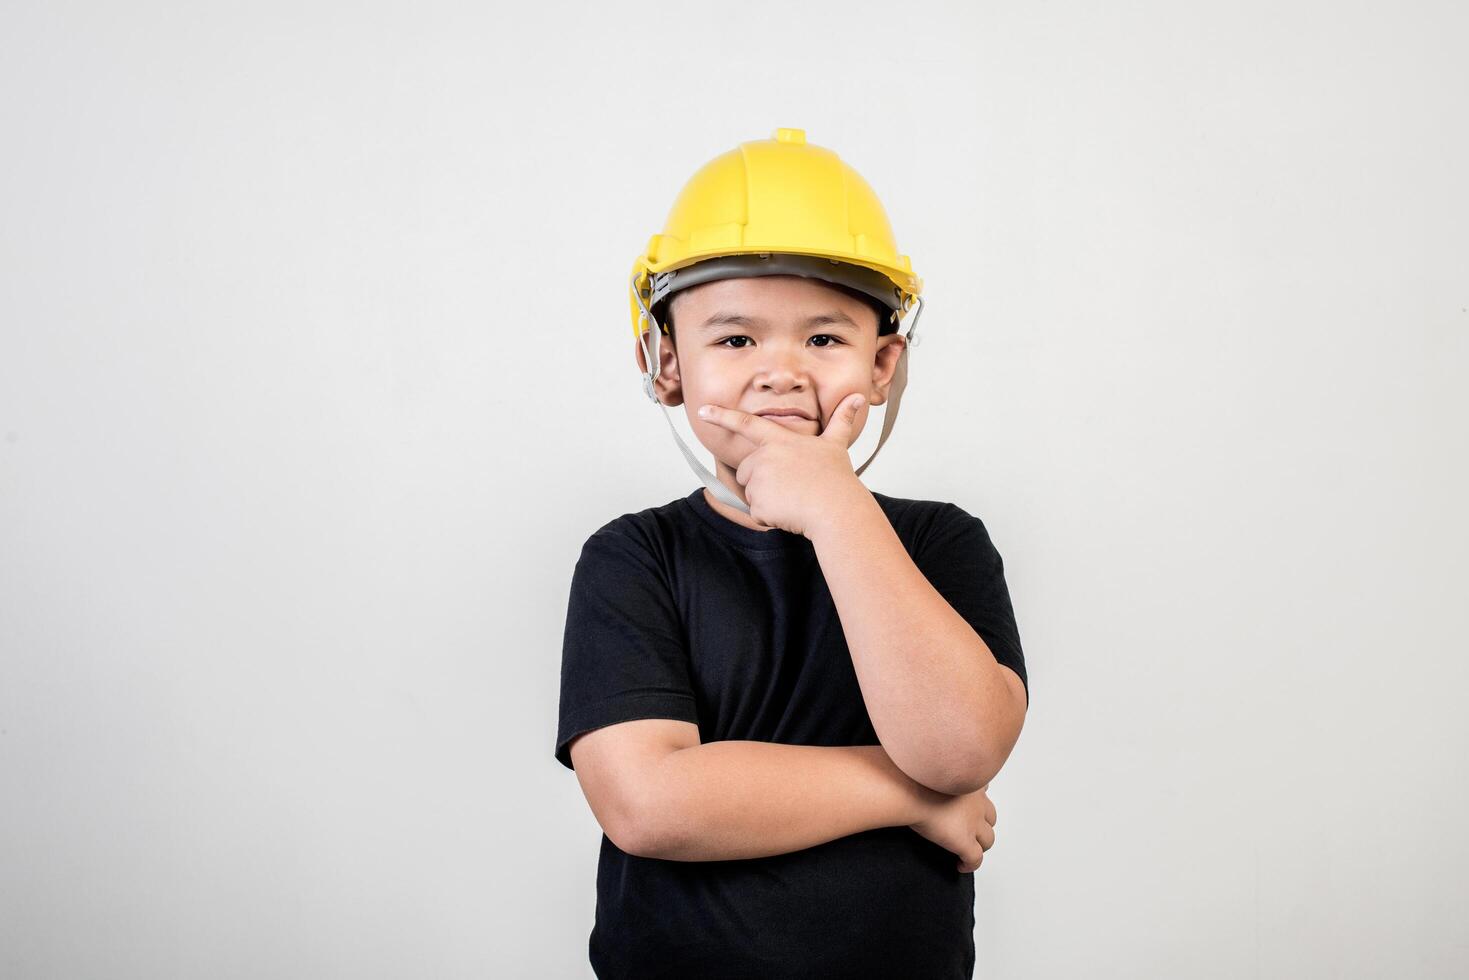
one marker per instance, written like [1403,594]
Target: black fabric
[678,612]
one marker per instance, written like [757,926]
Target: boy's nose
[782,371]
[780,378]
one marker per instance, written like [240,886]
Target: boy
[784,694]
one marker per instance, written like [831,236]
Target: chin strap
[896,386]
[650,345]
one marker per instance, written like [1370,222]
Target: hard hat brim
[866,281]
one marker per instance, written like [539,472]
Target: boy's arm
[946,711]
[730,800]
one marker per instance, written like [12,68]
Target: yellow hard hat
[780,206]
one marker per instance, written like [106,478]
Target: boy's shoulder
[647,521]
[914,508]
[650,530]
[915,520]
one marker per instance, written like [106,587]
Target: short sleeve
[963,565]
[623,656]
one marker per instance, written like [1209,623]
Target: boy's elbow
[641,828]
[961,766]
[954,777]
[947,784]
[627,840]
[639,836]
[958,785]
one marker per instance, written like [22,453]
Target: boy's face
[774,342]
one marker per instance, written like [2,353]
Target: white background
[316,372]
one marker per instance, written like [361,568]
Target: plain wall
[316,372]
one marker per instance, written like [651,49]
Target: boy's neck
[726,476]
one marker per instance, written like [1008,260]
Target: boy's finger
[758,430]
[843,419]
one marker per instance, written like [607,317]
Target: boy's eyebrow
[835,317]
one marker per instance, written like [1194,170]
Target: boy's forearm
[730,800]
[939,701]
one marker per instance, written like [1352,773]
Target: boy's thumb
[845,415]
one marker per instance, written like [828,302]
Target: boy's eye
[820,336]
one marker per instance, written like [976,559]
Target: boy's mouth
[778,413]
[792,421]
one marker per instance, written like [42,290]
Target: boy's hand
[963,825]
[792,479]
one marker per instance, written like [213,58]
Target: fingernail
[704,410]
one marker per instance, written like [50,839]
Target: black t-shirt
[679,612]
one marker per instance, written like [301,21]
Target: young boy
[784,694]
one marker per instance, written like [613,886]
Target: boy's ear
[889,348]
[668,385]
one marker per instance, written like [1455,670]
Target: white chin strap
[650,350]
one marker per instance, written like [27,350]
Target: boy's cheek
[726,447]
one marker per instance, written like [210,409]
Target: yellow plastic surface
[776,195]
